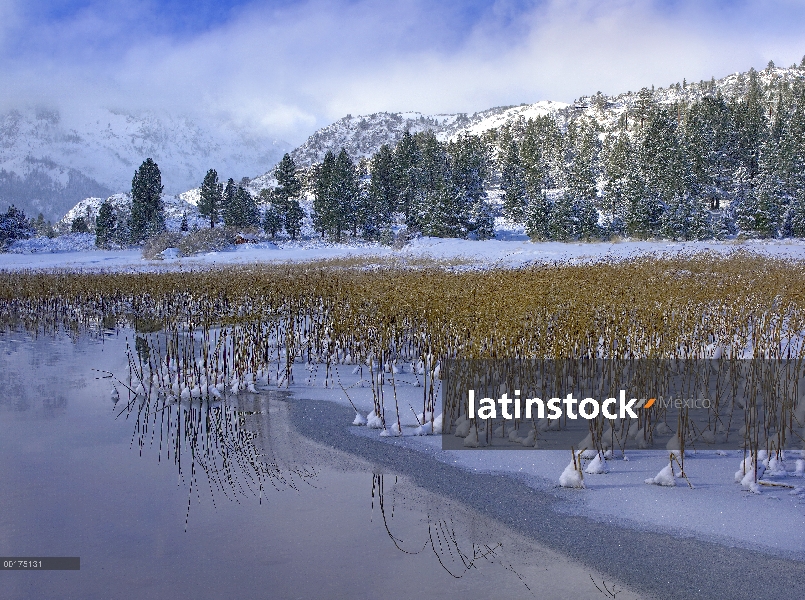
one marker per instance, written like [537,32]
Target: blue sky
[291,66]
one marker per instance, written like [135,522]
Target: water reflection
[274,514]
[213,443]
[456,549]
[239,445]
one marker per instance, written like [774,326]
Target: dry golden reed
[247,318]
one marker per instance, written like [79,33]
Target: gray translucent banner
[623,404]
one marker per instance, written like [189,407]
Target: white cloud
[290,70]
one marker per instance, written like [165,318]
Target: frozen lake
[251,508]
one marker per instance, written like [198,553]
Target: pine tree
[790,158]
[745,207]
[433,206]
[580,194]
[541,155]
[771,205]
[538,218]
[512,182]
[13,226]
[105,225]
[286,197]
[244,212]
[184,226]
[288,184]
[147,210]
[686,219]
[293,218]
[335,203]
[272,217]
[210,199]
[751,127]
[707,139]
[345,194]
[229,209]
[666,171]
[618,165]
[644,212]
[483,220]
[585,219]
[724,225]
[372,215]
[561,221]
[79,225]
[272,221]
[440,219]
[407,175]
[324,203]
[40,226]
[381,194]
[469,165]
[644,106]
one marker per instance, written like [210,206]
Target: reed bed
[215,332]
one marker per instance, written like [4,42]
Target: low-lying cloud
[293,67]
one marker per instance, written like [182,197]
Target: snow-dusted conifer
[512,182]
[228,208]
[147,210]
[210,196]
[538,215]
[105,225]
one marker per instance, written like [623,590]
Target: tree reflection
[457,551]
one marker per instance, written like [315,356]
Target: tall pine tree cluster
[235,205]
[434,188]
[711,167]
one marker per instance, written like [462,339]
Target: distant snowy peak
[50,160]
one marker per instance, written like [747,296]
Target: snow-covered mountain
[188,151]
[363,135]
[50,161]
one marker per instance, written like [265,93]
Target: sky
[288,67]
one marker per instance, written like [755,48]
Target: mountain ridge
[363,135]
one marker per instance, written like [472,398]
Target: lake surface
[223,501]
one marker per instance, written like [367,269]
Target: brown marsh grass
[241,322]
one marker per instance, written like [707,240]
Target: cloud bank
[290,67]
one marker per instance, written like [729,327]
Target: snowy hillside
[363,135]
[607,110]
[50,161]
[176,206]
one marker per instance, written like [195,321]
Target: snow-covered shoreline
[651,561]
[511,252]
[717,509]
